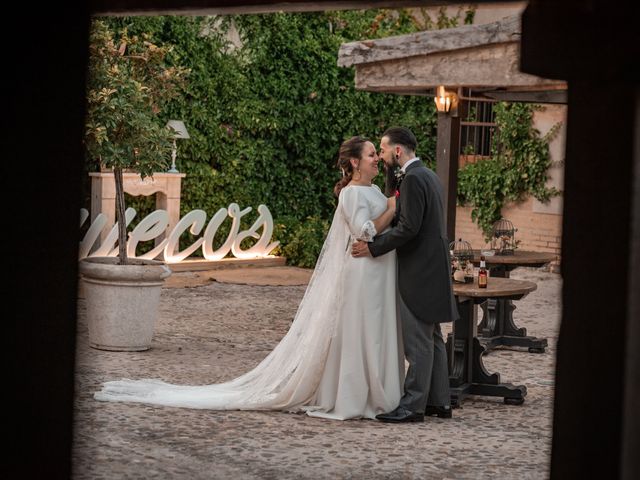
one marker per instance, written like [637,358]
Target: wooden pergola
[483,57]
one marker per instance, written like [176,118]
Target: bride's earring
[358,177]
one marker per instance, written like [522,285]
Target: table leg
[468,375]
[497,327]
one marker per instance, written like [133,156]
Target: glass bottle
[482,273]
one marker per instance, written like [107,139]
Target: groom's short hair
[401,136]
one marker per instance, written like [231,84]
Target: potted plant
[128,84]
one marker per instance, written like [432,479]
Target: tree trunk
[120,217]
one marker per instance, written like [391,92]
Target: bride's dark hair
[351,148]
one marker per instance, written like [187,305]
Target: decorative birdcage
[461,261]
[503,241]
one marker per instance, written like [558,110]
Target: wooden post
[594,436]
[447,154]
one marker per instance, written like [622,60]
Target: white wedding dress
[342,357]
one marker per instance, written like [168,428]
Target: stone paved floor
[216,331]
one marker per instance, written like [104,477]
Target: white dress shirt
[409,162]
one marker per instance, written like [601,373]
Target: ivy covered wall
[267,112]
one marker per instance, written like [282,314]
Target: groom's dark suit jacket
[418,236]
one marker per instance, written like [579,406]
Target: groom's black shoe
[440,412]
[400,415]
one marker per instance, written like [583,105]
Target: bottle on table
[482,273]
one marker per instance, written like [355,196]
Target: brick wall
[540,232]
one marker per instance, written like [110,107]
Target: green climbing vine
[517,167]
[266,107]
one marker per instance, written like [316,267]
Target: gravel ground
[210,331]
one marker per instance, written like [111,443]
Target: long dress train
[342,356]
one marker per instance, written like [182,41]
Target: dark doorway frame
[596,428]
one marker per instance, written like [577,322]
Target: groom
[424,279]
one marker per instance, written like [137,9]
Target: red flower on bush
[397,193]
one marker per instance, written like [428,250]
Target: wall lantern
[445,100]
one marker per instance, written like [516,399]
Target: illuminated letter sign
[156,223]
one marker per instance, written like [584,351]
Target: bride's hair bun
[351,148]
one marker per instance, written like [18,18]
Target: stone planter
[122,301]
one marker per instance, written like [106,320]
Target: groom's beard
[390,182]
[392,165]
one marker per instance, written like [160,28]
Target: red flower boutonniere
[399,177]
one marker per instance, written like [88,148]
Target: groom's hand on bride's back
[360,249]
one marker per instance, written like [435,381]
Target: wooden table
[468,375]
[497,327]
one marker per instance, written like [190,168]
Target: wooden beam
[429,42]
[631,429]
[545,96]
[225,7]
[495,65]
[595,436]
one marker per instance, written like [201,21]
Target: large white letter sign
[207,246]
[262,245]
[195,219]
[92,234]
[106,249]
[236,214]
[149,228]
[156,223]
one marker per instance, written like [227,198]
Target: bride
[342,357]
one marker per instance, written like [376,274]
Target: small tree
[128,85]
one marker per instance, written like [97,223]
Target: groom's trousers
[427,379]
